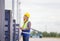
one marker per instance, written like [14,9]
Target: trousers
[25,38]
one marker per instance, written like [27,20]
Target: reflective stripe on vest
[26,32]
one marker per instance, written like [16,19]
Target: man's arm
[28,25]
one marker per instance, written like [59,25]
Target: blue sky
[45,14]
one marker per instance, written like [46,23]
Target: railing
[15,31]
[35,30]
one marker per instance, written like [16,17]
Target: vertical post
[18,11]
[13,8]
[18,15]
[46,28]
[11,31]
[2,19]
[14,39]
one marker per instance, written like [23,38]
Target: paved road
[44,39]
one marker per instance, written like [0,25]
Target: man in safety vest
[26,27]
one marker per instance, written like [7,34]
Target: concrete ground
[43,39]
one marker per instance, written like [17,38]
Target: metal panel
[7,26]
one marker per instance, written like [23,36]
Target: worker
[26,27]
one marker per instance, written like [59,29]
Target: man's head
[26,16]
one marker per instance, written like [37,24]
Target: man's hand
[21,28]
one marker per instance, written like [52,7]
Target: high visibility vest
[25,25]
[25,32]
